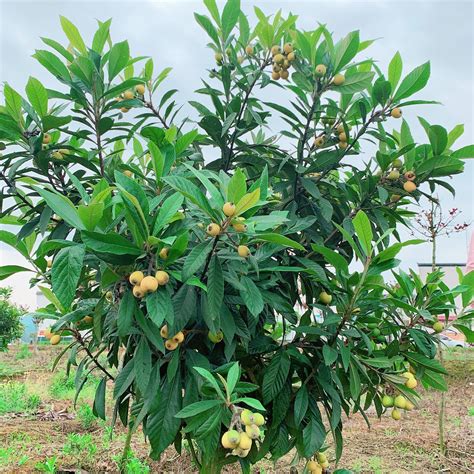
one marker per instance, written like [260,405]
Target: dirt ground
[53,437]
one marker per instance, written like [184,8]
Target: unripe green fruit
[372,325]
[322,458]
[215,337]
[338,80]
[218,57]
[259,419]
[233,437]
[46,138]
[400,401]
[245,442]
[325,298]
[320,70]
[376,332]
[253,431]
[438,327]
[397,163]
[387,401]
[247,417]
[109,296]
[393,175]
[396,415]
[395,198]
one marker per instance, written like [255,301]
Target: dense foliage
[11,328]
[212,264]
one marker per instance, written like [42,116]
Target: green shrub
[14,398]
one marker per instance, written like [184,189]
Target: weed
[133,464]
[14,398]
[62,386]
[23,353]
[82,444]
[470,411]
[49,465]
[86,417]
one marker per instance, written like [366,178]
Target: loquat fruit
[396,112]
[396,414]
[287,48]
[320,70]
[213,229]
[338,80]
[409,186]
[46,138]
[55,339]
[179,337]
[164,331]
[243,251]
[162,277]
[325,297]
[140,89]
[171,345]
[138,292]
[253,431]
[229,209]
[164,253]
[136,277]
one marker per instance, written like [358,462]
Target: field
[42,432]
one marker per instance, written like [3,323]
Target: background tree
[11,328]
[432,224]
[181,247]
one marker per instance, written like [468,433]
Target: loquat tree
[225,277]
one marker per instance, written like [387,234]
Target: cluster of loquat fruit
[56,154]
[237,223]
[130,94]
[54,338]
[400,402]
[337,130]
[171,343]
[318,464]
[282,60]
[142,285]
[240,440]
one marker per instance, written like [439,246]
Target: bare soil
[388,446]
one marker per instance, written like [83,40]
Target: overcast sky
[440,31]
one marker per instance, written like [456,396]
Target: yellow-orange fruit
[338,80]
[140,89]
[396,112]
[275,75]
[279,58]
[213,229]
[276,50]
[239,227]
[410,176]
[243,251]
[249,49]
[343,137]
[284,74]
[162,277]
[149,284]
[164,331]
[127,95]
[179,337]
[164,253]
[342,145]
[409,186]
[138,292]
[136,277]
[229,209]
[171,345]
[288,48]
[55,339]
[46,138]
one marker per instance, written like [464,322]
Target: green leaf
[330,354]
[395,70]
[333,258]
[51,297]
[438,138]
[211,379]
[356,82]
[9,270]
[280,240]
[413,82]
[208,27]
[113,244]
[454,134]
[37,96]
[65,274]
[301,404]
[13,102]
[233,377]
[314,435]
[190,191]
[143,365]
[252,296]
[345,50]
[464,152]
[124,378]
[12,240]
[230,16]
[364,231]
[431,364]
[160,307]
[237,186]
[215,288]
[53,64]
[99,400]
[73,35]
[247,201]
[198,407]
[91,214]
[125,313]
[62,206]
[196,258]
[275,376]
[101,36]
[119,56]
[251,402]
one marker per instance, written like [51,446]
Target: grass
[14,398]
[23,353]
[63,387]
[86,417]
